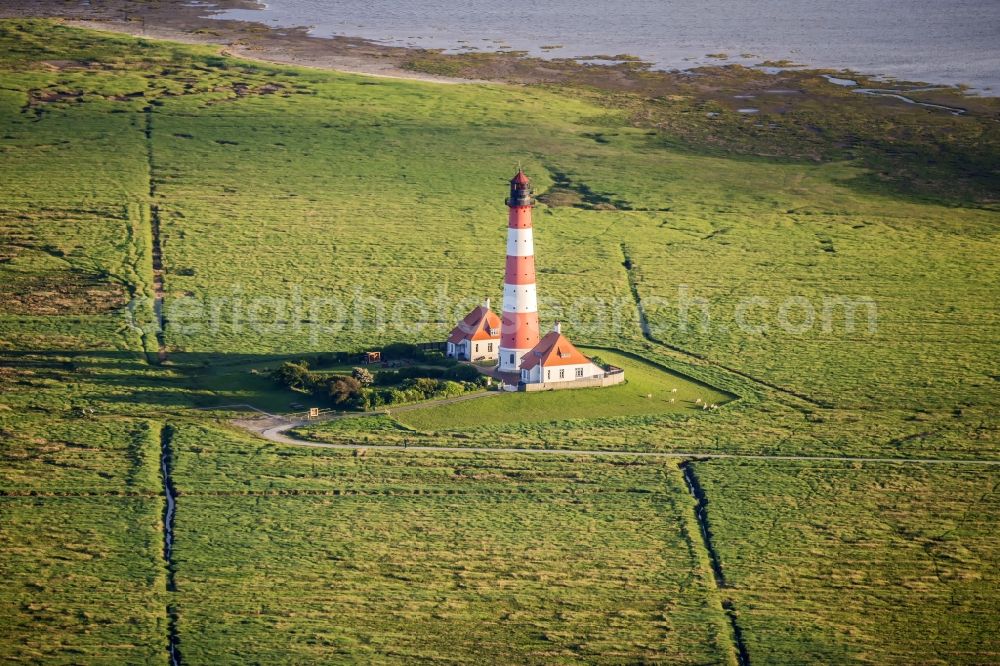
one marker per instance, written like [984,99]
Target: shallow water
[840,82]
[950,42]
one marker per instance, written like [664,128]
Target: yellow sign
[313,412]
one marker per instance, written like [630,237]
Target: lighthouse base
[510,360]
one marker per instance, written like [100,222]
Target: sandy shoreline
[192,24]
[251,40]
[347,64]
[726,84]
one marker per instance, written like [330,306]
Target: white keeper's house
[554,359]
[477,337]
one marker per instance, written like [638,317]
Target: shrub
[424,385]
[294,375]
[393,377]
[391,396]
[416,373]
[363,376]
[385,378]
[365,390]
[373,399]
[344,391]
[462,373]
[438,358]
[448,389]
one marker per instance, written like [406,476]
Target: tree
[363,376]
[293,375]
[344,390]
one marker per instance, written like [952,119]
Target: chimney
[557,327]
[486,303]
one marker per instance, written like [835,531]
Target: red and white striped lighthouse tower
[519,330]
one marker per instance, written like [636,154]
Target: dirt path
[274,428]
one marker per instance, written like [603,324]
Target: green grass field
[302,211]
[647,390]
[859,563]
[477,578]
[434,556]
[83,579]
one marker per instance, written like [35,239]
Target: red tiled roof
[553,349]
[476,326]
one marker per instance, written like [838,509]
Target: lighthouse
[526,362]
[519,329]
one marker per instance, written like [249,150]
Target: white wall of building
[560,373]
[484,350]
[474,350]
[510,361]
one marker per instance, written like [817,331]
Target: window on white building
[579,372]
[562,373]
[548,374]
[511,358]
[477,346]
[489,346]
